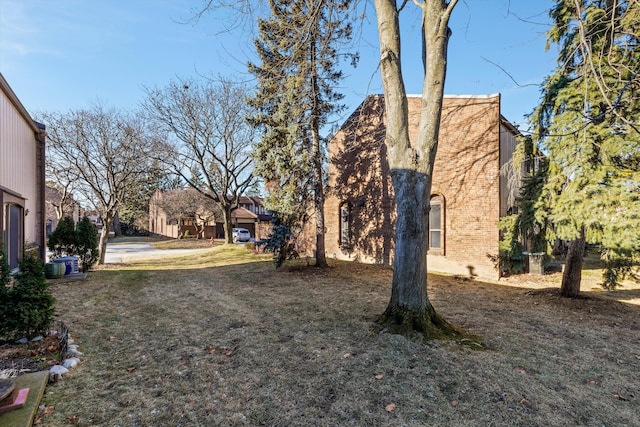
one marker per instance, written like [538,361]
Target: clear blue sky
[67,54]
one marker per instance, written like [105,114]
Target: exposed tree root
[425,324]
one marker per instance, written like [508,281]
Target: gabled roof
[242,213]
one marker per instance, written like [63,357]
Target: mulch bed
[33,356]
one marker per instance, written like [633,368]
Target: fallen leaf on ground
[49,410]
[112,338]
[73,419]
[346,355]
[390,407]
[454,403]
[620,397]
[520,370]
[379,376]
[131,369]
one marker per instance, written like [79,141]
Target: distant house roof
[242,213]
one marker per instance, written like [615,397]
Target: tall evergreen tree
[588,124]
[298,51]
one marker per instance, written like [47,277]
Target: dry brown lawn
[223,339]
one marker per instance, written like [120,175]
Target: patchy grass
[165,242]
[227,340]
[184,243]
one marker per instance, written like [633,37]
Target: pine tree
[295,97]
[587,123]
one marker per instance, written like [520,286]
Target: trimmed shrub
[70,239]
[63,241]
[87,243]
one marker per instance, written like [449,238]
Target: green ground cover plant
[222,338]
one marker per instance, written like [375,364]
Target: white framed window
[436,224]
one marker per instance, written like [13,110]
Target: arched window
[436,223]
[344,225]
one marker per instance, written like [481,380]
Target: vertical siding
[18,170]
[508,191]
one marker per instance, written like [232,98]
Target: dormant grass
[223,339]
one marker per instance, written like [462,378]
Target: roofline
[510,126]
[18,105]
[461,96]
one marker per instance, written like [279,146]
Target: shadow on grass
[167,343]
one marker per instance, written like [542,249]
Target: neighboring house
[22,150]
[55,205]
[250,214]
[468,196]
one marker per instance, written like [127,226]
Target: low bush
[70,239]
[280,243]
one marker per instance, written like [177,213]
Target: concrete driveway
[124,252]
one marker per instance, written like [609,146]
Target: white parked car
[241,235]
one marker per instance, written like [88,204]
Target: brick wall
[466,177]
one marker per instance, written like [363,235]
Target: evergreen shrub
[27,307]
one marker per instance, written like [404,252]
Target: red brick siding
[466,176]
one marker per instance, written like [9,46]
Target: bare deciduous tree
[106,150]
[208,140]
[412,164]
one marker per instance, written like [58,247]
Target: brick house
[22,151]
[249,214]
[55,203]
[469,194]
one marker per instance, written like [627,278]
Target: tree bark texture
[107,224]
[316,156]
[572,274]
[411,165]
[227,225]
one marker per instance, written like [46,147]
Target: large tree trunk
[226,224]
[321,258]
[316,155]
[107,224]
[409,309]
[572,274]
